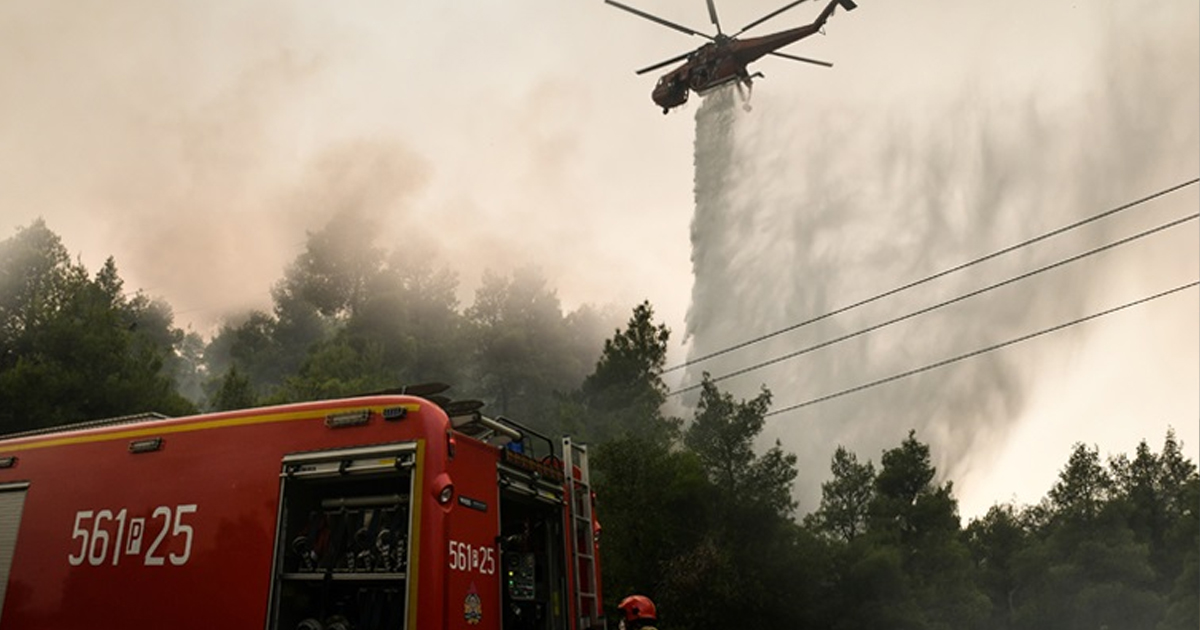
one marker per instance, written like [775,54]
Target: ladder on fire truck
[583,548]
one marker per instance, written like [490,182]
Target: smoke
[798,216]
[198,143]
[157,134]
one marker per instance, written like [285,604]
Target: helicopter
[724,59]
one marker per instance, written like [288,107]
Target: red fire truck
[380,512]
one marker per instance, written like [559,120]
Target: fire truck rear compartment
[532,560]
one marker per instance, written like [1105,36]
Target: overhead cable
[935,276]
[961,357]
[945,303]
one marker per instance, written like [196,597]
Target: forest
[694,516]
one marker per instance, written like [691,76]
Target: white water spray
[796,217]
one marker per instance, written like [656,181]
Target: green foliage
[746,551]
[1114,548]
[351,317]
[74,348]
[630,366]
[234,392]
[872,590]
[995,540]
[1085,576]
[911,567]
[525,352]
[1083,486]
[411,312]
[37,279]
[845,499]
[337,368]
[1106,548]
[722,436]
[653,500]
[697,518]
[1183,537]
[696,515]
[338,267]
[188,367]
[624,395]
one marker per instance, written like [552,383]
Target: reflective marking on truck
[187,428]
[415,526]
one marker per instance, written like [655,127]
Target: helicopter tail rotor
[845,4]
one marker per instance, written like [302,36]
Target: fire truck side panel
[184,536]
[95,536]
[470,555]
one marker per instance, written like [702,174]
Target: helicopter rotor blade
[804,59]
[712,15]
[767,17]
[663,63]
[656,19]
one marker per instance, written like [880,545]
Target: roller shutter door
[12,503]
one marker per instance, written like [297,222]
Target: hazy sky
[197,142]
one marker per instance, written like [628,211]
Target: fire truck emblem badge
[473,606]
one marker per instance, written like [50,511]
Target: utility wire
[942,304]
[935,276]
[945,362]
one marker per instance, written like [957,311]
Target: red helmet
[637,607]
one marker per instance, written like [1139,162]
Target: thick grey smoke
[798,216]
[199,142]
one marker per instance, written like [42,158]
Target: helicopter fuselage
[725,59]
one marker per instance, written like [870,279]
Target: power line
[935,276]
[945,303]
[969,355]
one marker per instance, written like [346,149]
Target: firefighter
[637,613]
